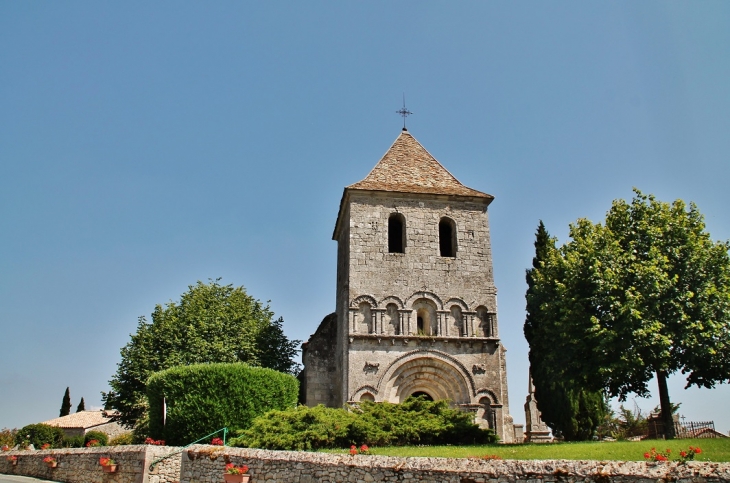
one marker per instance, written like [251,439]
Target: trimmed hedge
[416,421]
[202,398]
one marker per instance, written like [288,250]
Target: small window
[396,233]
[447,237]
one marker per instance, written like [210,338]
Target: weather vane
[404,112]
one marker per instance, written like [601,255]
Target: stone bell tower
[416,306]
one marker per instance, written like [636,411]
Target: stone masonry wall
[201,465]
[81,465]
[374,271]
[205,464]
[320,368]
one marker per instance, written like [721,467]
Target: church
[416,306]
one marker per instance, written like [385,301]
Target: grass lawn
[717,450]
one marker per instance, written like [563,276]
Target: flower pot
[236,478]
[110,468]
[52,464]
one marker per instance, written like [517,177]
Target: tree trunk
[665,405]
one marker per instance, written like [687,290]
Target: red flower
[698,451]
[647,455]
[46,446]
[364,448]
[683,454]
[216,442]
[353,450]
[232,469]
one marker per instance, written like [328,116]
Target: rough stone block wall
[81,465]
[376,272]
[320,368]
[200,465]
[205,464]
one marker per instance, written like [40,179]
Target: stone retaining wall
[205,464]
[81,465]
[201,464]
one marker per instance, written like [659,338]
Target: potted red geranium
[50,461]
[108,465]
[236,474]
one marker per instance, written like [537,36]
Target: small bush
[122,439]
[73,442]
[301,428]
[101,438]
[38,435]
[7,437]
[202,398]
[416,421]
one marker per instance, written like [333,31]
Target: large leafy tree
[210,323]
[570,410]
[647,294]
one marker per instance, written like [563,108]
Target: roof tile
[408,168]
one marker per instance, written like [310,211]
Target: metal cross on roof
[404,112]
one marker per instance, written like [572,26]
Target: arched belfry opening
[396,233]
[447,237]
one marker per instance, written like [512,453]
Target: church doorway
[422,394]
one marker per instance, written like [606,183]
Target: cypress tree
[66,404]
[569,410]
[81,406]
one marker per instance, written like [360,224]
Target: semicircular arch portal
[430,372]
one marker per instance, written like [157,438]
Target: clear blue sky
[148,145]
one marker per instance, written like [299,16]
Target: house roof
[81,419]
[408,168]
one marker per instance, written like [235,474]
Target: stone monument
[537,431]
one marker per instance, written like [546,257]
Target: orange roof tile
[81,419]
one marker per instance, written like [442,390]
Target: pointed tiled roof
[408,168]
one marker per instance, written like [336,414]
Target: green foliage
[210,323]
[628,423]
[416,421]
[7,437]
[202,398]
[73,442]
[38,435]
[301,428]
[66,404]
[647,293]
[102,438]
[81,406]
[571,411]
[122,440]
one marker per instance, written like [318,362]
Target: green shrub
[73,442]
[38,435]
[122,439]
[301,428]
[102,438]
[7,437]
[416,421]
[202,398]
